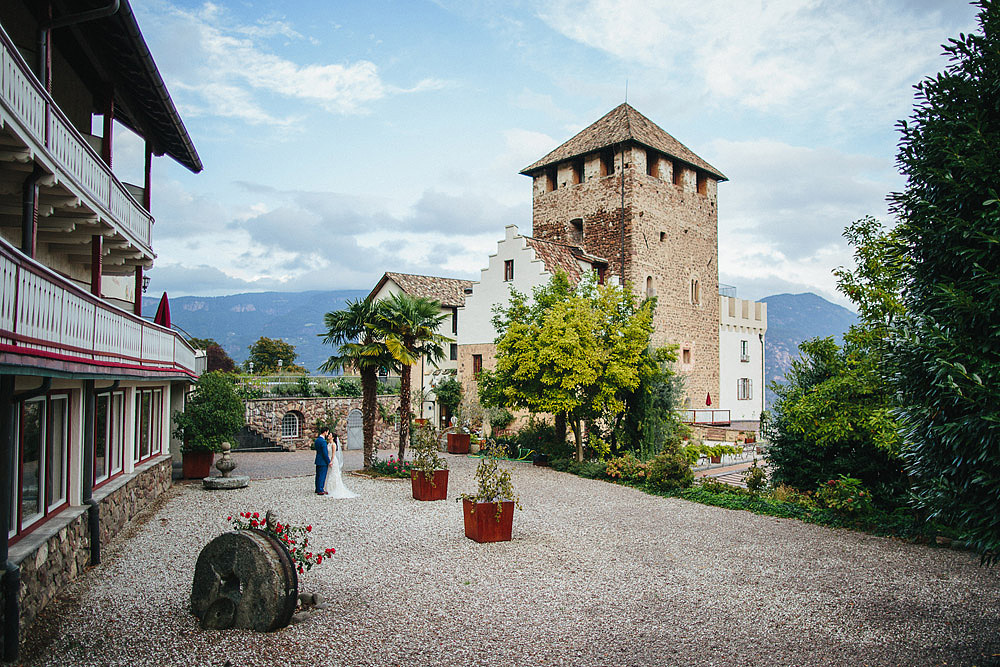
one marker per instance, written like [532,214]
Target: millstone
[244,579]
[234,482]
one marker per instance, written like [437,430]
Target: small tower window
[602,272]
[576,230]
[551,180]
[678,173]
[702,183]
[453,352]
[650,289]
[577,171]
[508,270]
[477,365]
[607,163]
[652,163]
[695,292]
[663,237]
[686,356]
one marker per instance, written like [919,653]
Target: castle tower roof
[620,125]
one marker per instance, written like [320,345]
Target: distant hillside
[793,318]
[296,317]
[237,321]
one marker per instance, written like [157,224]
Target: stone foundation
[58,551]
[265,414]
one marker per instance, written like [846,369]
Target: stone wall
[265,414]
[56,553]
[670,238]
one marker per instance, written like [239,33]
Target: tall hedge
[946,356]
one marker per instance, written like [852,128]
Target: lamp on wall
[145,284]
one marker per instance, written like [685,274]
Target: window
[678,173]
[686,356]
[454,352]
[454,320]
[41,442]
[663,237]
[744,350]
[695,292]
[577,171]
[290,425]
[508,270]
[109,436]
[477,364]
[551,179]
[607,163]
[743,389]
[652,163]
[576,230]
[650,288]
[148,406]
[602,273]
[702,183]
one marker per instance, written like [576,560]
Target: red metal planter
[458,443]
[424,489]
[197,465]
[482,525]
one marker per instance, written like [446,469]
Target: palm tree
[409,325]
[361,346]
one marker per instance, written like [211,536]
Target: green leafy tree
[266,352]
[449,393]
[360,347]
[946,360]
[217,359]
[410,325]
[833,415]
[651,419]
[213,414]
[570,350]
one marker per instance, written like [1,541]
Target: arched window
[650,288]
[695,292]
[290,425]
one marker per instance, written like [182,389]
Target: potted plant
[213,415]
[429,473]
[489,513]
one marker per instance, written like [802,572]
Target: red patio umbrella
[163,312]
[708,399]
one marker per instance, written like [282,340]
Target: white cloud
[793,56]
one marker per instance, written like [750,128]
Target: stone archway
[355,430]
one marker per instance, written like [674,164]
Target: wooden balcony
[47,321]
[34,122]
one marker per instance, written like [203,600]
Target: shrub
[755,478]
[424,445]
[669,470]
[787,494]
[626,467]
[541,437]
[846,495]
[213,414]
[715,486]
[500,418]
[392,468]
[347,387]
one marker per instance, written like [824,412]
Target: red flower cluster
[295,539]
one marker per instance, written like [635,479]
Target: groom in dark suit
[322,460]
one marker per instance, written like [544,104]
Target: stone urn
[225,466]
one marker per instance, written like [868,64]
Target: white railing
[43,314]
[29,105]
[705,416]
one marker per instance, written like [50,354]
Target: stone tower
[626,191]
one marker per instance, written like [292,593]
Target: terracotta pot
[458,443]
[482,525]
[435,488]
[716,459]
[197,465]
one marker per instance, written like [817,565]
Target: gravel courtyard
[597,574]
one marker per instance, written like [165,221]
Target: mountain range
[237,321]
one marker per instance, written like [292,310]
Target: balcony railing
[50,133]
[711,417]
[44,315]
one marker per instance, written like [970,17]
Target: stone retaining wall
[55,554]
[265,414]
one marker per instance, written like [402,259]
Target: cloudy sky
[345,139]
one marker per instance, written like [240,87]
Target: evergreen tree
[946,358]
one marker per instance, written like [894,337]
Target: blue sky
[351,138]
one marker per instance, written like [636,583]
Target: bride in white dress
[334,479]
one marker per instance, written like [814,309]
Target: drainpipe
[12,572]
[762,378]
[90,395]
[72,19]
[29,211]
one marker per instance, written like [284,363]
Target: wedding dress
[334,480]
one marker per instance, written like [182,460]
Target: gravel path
[597,574]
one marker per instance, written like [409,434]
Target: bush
[213,414]
[500,418]
[846,495]
[669,470]
[392,468]
[626,467]
[715,486]
[755,478]
[347,387]
[541,437]
[787,494]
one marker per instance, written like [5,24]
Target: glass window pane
[143,432]
[101,427]
[116,433]
[32,436]
[154,423]
[58,450]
